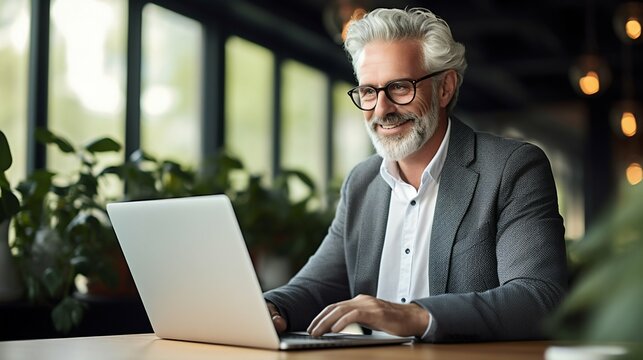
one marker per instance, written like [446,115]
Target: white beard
[398,147]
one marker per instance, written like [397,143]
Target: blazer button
[413,202]
[407,251]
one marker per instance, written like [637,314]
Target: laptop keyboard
[329,337]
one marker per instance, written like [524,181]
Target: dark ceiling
[519,52]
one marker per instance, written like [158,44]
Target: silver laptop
[194,275]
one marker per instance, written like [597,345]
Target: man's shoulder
[494,155]
[494,145]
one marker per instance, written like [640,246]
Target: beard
[398,147]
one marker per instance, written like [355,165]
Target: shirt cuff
[429,328]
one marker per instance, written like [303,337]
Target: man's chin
[393,152]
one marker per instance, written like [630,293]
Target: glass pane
[87,76]
[14,57]
[249,81]
[170,88]
[350,140]
[304,121]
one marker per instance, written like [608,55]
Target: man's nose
[384,105]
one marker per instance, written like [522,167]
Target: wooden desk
[148,346]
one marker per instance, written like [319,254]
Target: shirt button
[407,251]
[403,300]
[413,202]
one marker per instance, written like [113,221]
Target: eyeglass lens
[400,92]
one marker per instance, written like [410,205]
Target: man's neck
[412,166]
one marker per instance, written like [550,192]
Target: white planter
[11,288]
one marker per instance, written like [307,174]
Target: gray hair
[440,50]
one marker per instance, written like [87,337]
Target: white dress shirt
[404,268]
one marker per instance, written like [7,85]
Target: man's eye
[399,87]
[367,92]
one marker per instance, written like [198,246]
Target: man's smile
[393,126]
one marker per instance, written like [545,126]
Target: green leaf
[228,162]
[139,156]
[307,180]
[4,183]
[9,204]
[104,144]
[90,184]
[67,314]
[47,137]
[53,281]
[61,191]
[36,186]
[82,264]
[5,153]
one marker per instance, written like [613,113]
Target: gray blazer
[497,263]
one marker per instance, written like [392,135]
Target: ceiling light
[634,173]
[627,21]
[590,75]
[626,118]
[339,13]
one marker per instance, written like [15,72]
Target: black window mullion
[277,113]
[133,91]
[213,92]
[330,114]
[38,93]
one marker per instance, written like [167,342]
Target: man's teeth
[393,126]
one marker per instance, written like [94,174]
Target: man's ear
[447,88]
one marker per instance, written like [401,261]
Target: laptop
[195,278]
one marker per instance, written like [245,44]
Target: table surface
[148,346]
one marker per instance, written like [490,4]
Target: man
[446,234]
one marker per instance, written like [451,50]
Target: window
[87,75]
[170,86]
[304,121]
[350,140]
[14,58]
[248,104]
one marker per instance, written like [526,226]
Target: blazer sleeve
[531,262]
[322,280]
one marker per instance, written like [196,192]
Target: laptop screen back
[192,270]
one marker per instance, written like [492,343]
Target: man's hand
[376,314]
[277,320]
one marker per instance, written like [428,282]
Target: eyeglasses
[400,92]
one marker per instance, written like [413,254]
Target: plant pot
[11,288]
[125,287]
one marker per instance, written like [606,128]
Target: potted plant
[10,286]
[604,304]
[62,231]
[276,224]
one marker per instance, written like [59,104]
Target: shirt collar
[390,172]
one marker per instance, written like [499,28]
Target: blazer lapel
[371,237]
[457,185]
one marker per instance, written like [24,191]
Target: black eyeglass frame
[386,91]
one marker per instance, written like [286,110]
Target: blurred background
[266,80]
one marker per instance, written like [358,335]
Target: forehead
[383,61]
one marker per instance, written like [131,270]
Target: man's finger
[324,324]
[327,310]
[350,317]
[278,321]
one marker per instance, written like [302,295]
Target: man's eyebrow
[386,83]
